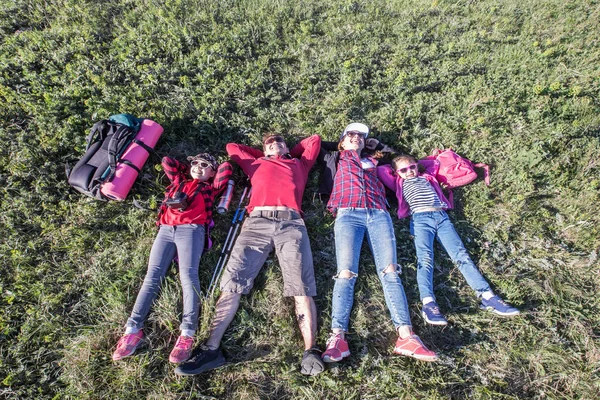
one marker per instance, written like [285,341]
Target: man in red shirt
[278,179]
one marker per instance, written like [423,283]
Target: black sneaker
[203,359]
[311,362]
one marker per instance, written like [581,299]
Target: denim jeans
[425,226]
[351,226]
[187,241]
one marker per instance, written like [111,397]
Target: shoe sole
[329,359]
[216,363]
[492,309]
[312,366]
[415,356]
[430,322]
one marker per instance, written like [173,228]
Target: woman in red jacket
[184,218]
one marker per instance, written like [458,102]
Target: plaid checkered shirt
[354,186]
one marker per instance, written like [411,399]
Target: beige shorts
[261,232]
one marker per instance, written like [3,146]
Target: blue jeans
[351,226]
[425,226]
[187,241]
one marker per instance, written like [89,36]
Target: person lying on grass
[359,206]
[183,219]
[278,179]
[420,196]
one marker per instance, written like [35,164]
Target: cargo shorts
[262,232]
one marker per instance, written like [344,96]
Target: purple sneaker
[432,315]
[498,306]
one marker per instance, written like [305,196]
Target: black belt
[276,214]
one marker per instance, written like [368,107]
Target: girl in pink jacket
[420,197]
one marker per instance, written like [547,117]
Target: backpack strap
[94,134]
[486,172]
[113,148]
[450,198]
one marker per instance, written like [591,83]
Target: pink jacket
[393,181]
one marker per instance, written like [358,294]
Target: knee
[346,274]
[392,268]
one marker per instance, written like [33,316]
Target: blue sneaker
[432,315]
[498,306]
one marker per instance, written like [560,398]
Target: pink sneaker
[337,349]
[182,350]
[127,345]
[411,346]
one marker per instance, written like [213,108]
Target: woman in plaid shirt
[359,206]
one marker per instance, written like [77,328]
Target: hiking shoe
[311,362]
[498,306]
[127,345]
[182,350]
[411,346]
[203,359]
[336,349]
[432,315]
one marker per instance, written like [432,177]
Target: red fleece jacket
[277,180]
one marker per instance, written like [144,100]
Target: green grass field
[515,84]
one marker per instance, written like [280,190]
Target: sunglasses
[272,139]
[352,134]
[404,170]
[202,164]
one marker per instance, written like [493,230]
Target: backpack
[106,145]
[452,170]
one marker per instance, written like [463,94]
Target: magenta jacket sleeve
[387,176]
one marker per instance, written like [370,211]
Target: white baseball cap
[358,127]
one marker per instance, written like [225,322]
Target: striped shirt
[419,195]
[355,186]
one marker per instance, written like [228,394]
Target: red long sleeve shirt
[277,180]
[199,211]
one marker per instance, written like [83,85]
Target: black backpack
[105,143]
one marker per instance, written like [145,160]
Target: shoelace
[183,341]
[435,310]
[333,338]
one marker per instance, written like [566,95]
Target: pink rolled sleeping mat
[132,160]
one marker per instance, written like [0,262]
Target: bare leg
[225,310]
[306,314]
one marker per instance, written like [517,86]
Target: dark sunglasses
[406,169]
[352,134]
[272,139]
[202,163]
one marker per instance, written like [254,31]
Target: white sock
[130,329]
[427,300]
[188,332]
[487,295]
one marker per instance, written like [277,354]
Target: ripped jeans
[351,226]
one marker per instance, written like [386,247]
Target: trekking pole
[238,216]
